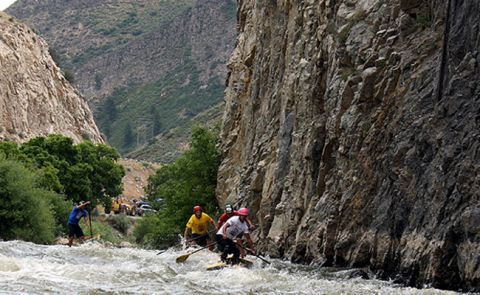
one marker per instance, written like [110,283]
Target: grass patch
[120,222]
[106,232]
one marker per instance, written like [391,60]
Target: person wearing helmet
[229,212]
[198,225]
[228,237]
[225,216]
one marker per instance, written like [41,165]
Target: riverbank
[115,230]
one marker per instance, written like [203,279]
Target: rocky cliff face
[352,129]
[35,98]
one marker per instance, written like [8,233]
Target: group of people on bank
[232,226]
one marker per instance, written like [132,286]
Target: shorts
[201,240]
[74,230]
[228,247]
[220,243]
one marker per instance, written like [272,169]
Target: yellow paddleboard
[216,266]
[94,237]
[220,265]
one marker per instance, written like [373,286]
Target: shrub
[106,232]
[26,211]
[55,56]
[158,231]
[189,181]
[120,222]
[80,172]
[69,76]
[98,81]
[137,32]
[60,208]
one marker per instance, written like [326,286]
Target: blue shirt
[76,215]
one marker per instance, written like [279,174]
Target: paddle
[91,236]
[184,257]
[256,255]
[90,222]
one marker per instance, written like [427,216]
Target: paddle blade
[182,258]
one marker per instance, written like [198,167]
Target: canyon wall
[352,130]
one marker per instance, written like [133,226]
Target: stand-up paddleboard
[92,237]
[216,266]
[76,241]
[220,265]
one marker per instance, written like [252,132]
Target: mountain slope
[352,131]
[144,66]
[35,98]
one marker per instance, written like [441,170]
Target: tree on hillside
[28,211]
[81,172]
[106,176]
[189,181]
[110,109]
[98,81]
[157,125]
[129,136]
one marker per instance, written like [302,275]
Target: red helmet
[197,209]
[243,212]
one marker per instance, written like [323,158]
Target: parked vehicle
[145,209]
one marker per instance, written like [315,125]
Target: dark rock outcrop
[352,129]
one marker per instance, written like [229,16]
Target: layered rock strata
[352,129]
[35,98]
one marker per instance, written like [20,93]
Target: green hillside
[145,67]
[148,110]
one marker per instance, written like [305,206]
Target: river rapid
[93,268]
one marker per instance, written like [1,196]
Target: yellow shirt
[199,225]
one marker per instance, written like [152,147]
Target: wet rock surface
[351,128]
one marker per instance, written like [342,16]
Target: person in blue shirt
[74,229]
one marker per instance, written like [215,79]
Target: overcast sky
[5,3]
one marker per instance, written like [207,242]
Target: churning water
[93,268]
